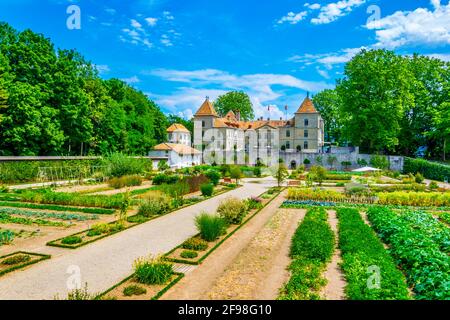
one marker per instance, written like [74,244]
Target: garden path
[106,262]
[234,256]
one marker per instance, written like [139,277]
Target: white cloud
[102,68]
[314,6]
[168,15]
[166,42]
[293,18]
[151,21]
[328,60]
[131,80]
[323,73]
[411,28]
[110,11]
[333,11]
[441,56]
[258,86]
[136,24]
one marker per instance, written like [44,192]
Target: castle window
[306,134]
[305,145]
[306,122]
[288,145]
[203,124]
[288,133]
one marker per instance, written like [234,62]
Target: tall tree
[329,103]
[236,101]
[375,92]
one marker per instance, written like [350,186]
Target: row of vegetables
[419,245]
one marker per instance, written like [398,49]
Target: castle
[231,138]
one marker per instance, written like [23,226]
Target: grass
[211,227]
[362,252]
[312,248]
[153,271]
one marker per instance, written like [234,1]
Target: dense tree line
[53,102]
[387,103]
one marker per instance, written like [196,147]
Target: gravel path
[108,261]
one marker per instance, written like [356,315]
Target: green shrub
[163,178]
[207,189]
[257,172]
[254,203]
[380,162]
[419,178]
[137,219]
[213,176]
[16,259]
[430,170]
[6,237]
[71,240]
[156,203]
[121,165]
[433,185]
[134,290]
[196,244]
[153,271]
[125,181]
[187,254]
[211,227]
[232,210]
[235,173]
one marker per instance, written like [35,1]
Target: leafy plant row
[55,207]
[312,248]
[7,218]
[370,271]
[50,215]
[426,266]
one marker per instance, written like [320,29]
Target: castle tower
[178,134]
[309,127]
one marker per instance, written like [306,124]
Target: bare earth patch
[260,269]
[334,289]
[194,285]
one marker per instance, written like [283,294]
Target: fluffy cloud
[102,68]
[332,11]
[411,28]
[131,80]
[328,60]
[293,18]
[151,21]
[258,86]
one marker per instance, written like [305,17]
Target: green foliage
[163,178]
[362,162]
[317,174]
[55,207]
[121,165]
[280,173]
[257,172]
[429,170]
[253,203]
[417,241]
[187,254]
[156,203]
[211,227]
[306,161]
[152,271]
[47,214]
[232,210]
[134,290]
[8,218]
[6,237]
[419,178]
[81,294]
[329,103]
[213,176]
[433,185]
[53,102]
[16,259]
[196,244]
[235,173]
[125,181]
[380,162]
[312,248]
[71,240]
[207,189]
[236,101]
[163,165]
[361,251]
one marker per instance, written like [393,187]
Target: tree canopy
[388,103]
[53,102]
[236,101]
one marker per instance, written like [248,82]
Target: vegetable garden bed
[19,260]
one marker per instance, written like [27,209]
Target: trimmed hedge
[361,250]
[429,170]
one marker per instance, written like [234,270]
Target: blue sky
[178,52]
